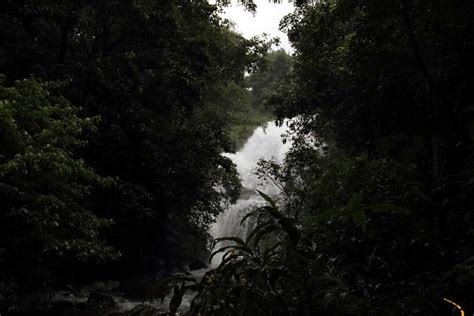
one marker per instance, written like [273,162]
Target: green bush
[45,215]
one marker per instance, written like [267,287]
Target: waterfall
[266,143]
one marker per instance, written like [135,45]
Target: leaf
[267,198]
[263,232]
[359,217]
[234,239]
[268,252]
[246,249]
[229,256]
[257,229]
[327,215]
[293,232]
[250,214]
[354,202]
[273,212]
[162,288]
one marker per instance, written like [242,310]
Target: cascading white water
[265,143]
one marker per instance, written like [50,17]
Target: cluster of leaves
[44,188]
[337,258]
[384,86]
[152,74]
[246,107]
[382,205]
[292,267]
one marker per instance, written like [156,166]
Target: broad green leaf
[268,252]
[257,229]
[263,232]
[250,214]
[354,202]
[359,217]
[267,198]
[246,249]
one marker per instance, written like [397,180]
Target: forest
[114,117]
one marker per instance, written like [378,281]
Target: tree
[245,102]
[45,216]
[149,70]
[378,184]
[264,82]
[384,83]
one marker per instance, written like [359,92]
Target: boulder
[112,286]
[145,310]
[103,286]
[197,264]
[98,286]
[100,302]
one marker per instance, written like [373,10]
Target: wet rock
[197,264]
[139,286]
[100,302]
[68,295]
[30,304]
[66,308]
[103,286]
[145,310]
[112,285]
[98,286]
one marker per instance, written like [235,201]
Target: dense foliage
[247,106]
[376,215]
[45,191]
[114,152]
[114,115]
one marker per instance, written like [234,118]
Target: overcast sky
[266,20]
